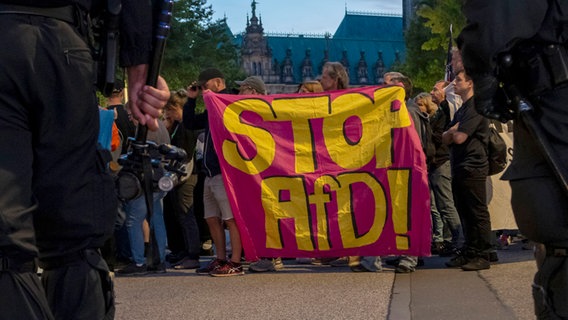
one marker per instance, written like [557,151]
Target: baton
[164,17]
[140,146]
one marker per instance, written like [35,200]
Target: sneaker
[340,262]
[278,264]
[159,268]
[120,263]
[436,247]
[207,245]
[228,269]
[354,260]
[187,263]
[420,262]
[475,264]
[213,265]
[132,270]
[503,242]
[447,250]
[175,258]
[358,268]
[457,262]
[401,268]
[395,261]
[263,265]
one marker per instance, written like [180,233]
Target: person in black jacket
[125,126]
[57,200]
[468,136]
[534,35]
[217,210]
[440,175]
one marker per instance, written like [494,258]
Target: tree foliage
[196,42]
[427,41]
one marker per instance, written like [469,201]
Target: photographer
[57,200]
[532,36]
[136,213]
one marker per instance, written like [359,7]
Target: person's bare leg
[146,230]
[218,236]
[235,237]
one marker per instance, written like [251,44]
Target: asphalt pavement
[324,292]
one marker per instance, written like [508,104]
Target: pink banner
[318,175]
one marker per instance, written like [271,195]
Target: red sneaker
[228,269]
[213,265]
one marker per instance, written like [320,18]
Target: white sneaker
[265,265]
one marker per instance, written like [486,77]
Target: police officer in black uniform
[57,200]
[522,43]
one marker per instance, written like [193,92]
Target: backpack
[496,151]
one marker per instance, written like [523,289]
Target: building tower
[256,56]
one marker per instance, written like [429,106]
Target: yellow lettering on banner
[319,198]
[262,139]
[399,182]
[296,207]
[377,121]
[299,111]
[347,154]
[349,235]
[388,120]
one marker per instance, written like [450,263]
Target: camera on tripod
[167,168]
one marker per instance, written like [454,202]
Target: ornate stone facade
[285,60]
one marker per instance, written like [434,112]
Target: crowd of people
[197,213]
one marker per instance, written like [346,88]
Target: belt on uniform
[16,265]
[556,251]
[60,261]
[65,13]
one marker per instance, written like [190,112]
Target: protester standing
[468,138]
[217,209]
[179,201]
[440,177]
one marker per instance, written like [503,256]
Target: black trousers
[55,196]
[180,204]
[23,297]
[80,288]
[470,198]
[540,203]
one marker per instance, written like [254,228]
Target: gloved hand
[491,100]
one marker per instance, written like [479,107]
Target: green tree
[439,16]
[189,18]
[427,41]
[214,47]
[197,42]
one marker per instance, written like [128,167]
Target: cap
[208,74]
[254,82]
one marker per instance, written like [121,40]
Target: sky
[297,16]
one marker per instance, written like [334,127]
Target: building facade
[367,44]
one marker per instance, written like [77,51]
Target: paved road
[323,292]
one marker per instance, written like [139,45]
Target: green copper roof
[357,35]
[370,27]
